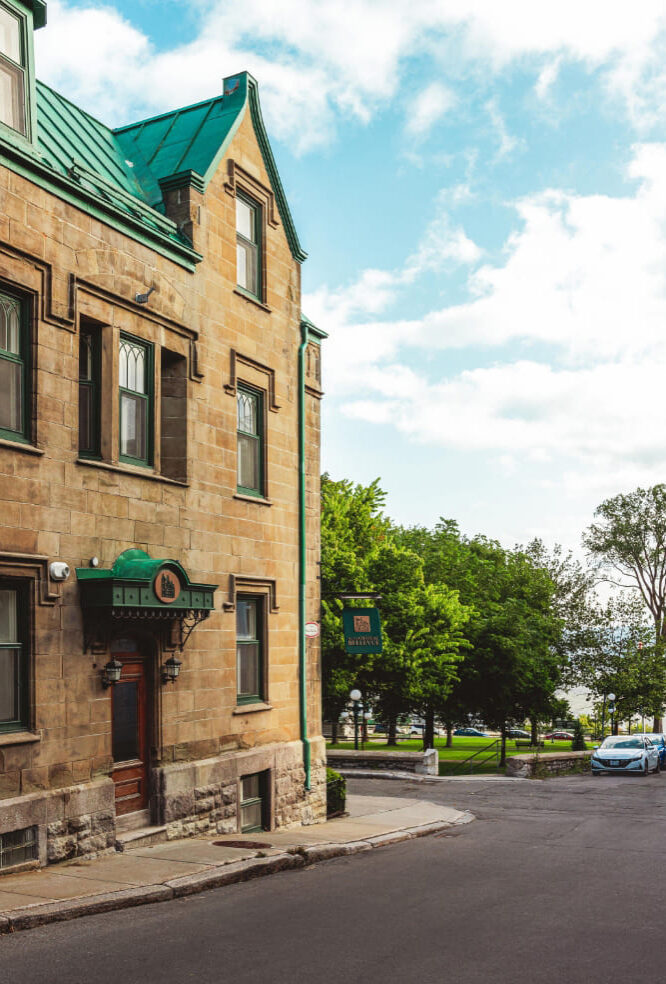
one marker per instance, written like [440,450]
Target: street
[556,881]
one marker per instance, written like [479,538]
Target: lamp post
[364,734]
[355,697]
[611,711]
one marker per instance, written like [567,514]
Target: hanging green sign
[363,631]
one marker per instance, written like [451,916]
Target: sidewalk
[177,868]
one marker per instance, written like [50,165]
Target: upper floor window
[250,441]
[248,245]
[13,659]
[13,368]
[249,649]
[89,393]
[12,71]
[135,370]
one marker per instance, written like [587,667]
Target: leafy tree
[618,655]
[352,530]
[578,743]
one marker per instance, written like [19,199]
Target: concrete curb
[40,915]
[415,777]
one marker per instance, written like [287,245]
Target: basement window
[254,803]
[17,847]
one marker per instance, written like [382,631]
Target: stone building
[159,474]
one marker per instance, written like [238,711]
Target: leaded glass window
[12,366]
[249,649]
[249,406]
[135,378]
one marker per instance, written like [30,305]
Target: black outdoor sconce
[171,669]
[111,673]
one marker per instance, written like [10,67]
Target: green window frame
[14,368]
[13,64]
[250,649]
[249,273]
[254,802]
[89,393]
[135,402]
[250,441]
[14,656]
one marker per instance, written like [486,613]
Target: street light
[364,734]
[611,711]
[355,697]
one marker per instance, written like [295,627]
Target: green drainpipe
[302,688]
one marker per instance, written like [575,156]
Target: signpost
[363,631]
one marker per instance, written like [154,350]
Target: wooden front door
[129,726]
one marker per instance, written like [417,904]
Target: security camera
[59,571]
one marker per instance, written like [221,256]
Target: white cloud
[315,62]
[430,105]
[584,276]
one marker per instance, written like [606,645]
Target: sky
[481,188]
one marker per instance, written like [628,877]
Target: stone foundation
[557,763]
[202,797]
[74,822]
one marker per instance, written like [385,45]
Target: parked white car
[625,753]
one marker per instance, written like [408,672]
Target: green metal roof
[122,173]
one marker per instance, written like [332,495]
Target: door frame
[143,655]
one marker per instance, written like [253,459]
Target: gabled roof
[123,172]
[192,142]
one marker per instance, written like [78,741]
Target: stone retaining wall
[423,763]
[549,763]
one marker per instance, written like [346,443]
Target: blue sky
[481,188]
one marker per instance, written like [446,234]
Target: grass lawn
[462,747]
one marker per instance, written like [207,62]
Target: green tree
[628,542]
[352,531]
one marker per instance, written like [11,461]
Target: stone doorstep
[144,837]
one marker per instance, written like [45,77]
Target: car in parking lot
[470,732]
[558,736]
[659,741]
[517,733]
[625,753]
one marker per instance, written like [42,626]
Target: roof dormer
[18,20]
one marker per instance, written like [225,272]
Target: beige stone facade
[73,273]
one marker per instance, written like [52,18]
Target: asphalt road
[556,882]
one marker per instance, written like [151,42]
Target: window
[248,246]
[135,365]
[13,368]
[89,394]
[249,404]
[13,659]
[254,802]
[17,847]
[12,71]
[249,649]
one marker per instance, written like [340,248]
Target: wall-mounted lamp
[111,673]
[143,298]
[171,669]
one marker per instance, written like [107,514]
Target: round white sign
[312,629]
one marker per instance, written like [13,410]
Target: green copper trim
[315,334]
[130,584]
[302,562]
[96,205]
[297,250]
[184,179]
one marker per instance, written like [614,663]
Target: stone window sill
[132,470]
[252,708]
[19,737]
[253,498]
[252,299]
[20,446]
